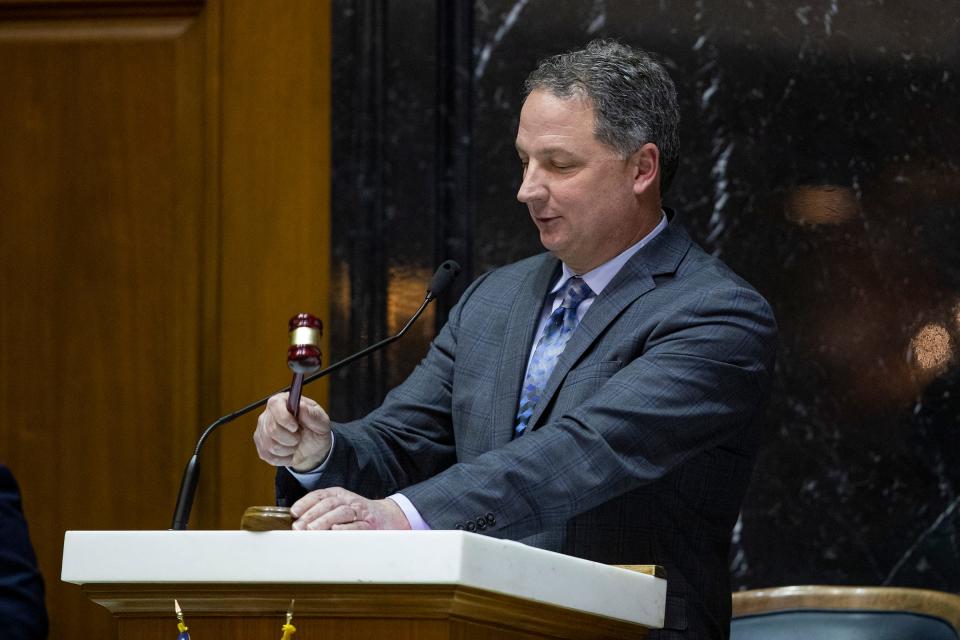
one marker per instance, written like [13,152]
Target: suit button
[490,519]
[470,526]
[481,523]
[459,527]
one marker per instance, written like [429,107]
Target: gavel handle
[293,400]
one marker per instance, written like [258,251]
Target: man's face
[579,191]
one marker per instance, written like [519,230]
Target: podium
[416,585]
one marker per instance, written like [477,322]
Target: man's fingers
[281,451]
[324,508]
[359,525]
[277,408]
[284,438]
[269,450]
[326,514]
[337,495]
[313,417]
[342,514]
[270,433]
[301,506]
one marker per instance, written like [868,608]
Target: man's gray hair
[633,97]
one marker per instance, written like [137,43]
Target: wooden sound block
[266,519]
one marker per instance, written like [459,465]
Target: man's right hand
[285,441]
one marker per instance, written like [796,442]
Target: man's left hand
[338,509]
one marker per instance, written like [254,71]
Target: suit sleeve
[700,376]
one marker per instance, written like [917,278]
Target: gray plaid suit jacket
[641,449]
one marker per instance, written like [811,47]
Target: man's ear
[645,162]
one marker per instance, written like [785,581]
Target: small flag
[288,629]
[181,626]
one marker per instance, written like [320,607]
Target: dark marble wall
[821,147]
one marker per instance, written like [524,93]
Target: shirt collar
[597,279]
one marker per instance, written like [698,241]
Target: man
[22,611]
[600,400]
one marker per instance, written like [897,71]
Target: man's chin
[555,249]
[550,244]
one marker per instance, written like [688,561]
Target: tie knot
[575,292]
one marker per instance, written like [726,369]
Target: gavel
[303,356]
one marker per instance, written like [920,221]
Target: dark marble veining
[821,160]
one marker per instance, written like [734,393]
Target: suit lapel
[522,321]
[635,279]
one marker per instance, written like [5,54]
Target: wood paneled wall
[164,209]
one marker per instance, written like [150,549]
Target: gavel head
[304,355]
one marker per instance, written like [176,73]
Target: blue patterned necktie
[552,341]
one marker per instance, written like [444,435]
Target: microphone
[445,274]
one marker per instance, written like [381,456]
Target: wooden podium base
[346,612]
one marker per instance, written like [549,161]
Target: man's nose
[532,187]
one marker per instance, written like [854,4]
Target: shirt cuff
[310,480]
[417,523]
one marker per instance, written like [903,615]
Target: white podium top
[376,557]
